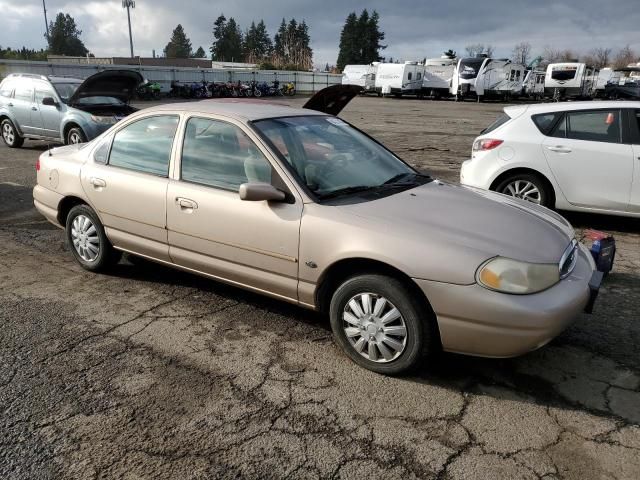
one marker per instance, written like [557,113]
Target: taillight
[486,144]
[38,164]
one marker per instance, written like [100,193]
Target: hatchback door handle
[97,182]
[559,149]
[186,204]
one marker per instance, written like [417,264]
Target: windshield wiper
[346,191]
[406,176]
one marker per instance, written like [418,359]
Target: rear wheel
[380,325]
[10,135]
[87,240]
[527,187]
[76,135]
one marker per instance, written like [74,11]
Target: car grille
[569,259]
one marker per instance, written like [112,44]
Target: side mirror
[50,101]
[258,192]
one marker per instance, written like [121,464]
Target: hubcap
[74,138]
[523,189]
[8,134]
[85,238]
[374,327]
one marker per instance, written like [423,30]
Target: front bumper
[476,321]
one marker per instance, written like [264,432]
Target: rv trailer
[533,85]
[463,82]
[624,86]
[570,80]
[354,75]
[438,73]
[370,79]
[399,79]
[499,78]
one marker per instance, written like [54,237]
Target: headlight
[512,276]
[103,120]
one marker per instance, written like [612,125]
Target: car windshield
[333,159]
[66,90]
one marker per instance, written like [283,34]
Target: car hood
[487,222]
[120,84]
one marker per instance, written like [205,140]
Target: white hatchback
[573,156]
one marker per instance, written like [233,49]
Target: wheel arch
[5,116]
[65,206]
[68,126]
[529,171]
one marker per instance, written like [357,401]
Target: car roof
[532,109]
[54,79]
[245,109]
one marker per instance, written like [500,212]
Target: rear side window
[594,126]
[145,145]
[546,121]
[502,119]
[6,88]
[24,92]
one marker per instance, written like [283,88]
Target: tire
[392,354]
[258,93]
[516,186]
[89,235]
[75,135]
[10,135]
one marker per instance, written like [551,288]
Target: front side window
[219,154]
[145,145]
[66,90]
[24,92]
[595,126]
[43,91]
[332,158]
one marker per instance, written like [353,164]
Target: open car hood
[120,84]
[333,99]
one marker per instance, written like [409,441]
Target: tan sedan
[299,205]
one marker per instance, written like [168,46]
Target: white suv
[573,156]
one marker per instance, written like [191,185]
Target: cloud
[414,28]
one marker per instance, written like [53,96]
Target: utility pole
[129,4]
[46,23]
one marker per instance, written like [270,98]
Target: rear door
[127,184]
[22,104]
[589,160]
[634,123]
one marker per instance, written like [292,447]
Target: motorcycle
[289,89]
[149,91]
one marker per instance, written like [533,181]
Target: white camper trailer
[499,78]
[605,76]
[569,80]
[533,85]
[354,75]
[438,73]
[370,79]
[399,79]
[463,82]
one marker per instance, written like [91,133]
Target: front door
[212,230]
[126,182]
[589,161]
[634,202]
[47,119]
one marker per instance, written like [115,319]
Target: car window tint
[595,126]
[546,121]
[23,92]
[6,88]
[501,120]
[219,154]
[560,129]
[101,155]
[145,145]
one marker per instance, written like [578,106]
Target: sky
[414,29]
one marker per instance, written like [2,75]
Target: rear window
[502,119]
[546,121]
[6,88]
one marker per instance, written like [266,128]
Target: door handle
[559,149]
[34,109]
[97,182]
[186,204]
[9,104]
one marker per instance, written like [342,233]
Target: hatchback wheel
[380,325]
[76,135]
[89,244]
[526,187]
[10,134]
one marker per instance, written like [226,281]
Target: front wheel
[380,325]
[527,187]
[76,135]
[10,134]
[87,240]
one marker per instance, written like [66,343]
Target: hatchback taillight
[486,144]
[38,165]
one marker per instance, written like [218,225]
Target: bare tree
[551,55]
[600,57]
[625,57]
[488,50]
[474,50]
[521,53]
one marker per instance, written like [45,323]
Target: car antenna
[49,149]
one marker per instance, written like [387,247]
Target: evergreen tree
[257,45]
[23,54]
[279,39]
[217,47]
[348,53]
[371,50]
[64,37]
[200,53]
[263,40]
[360,39]
[233,42]
[179,46]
